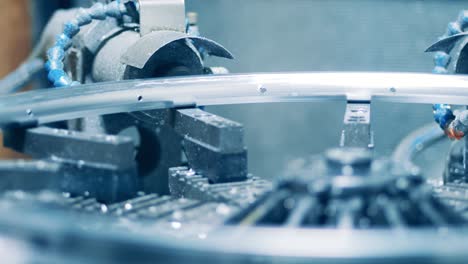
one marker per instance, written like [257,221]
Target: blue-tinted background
[323,35]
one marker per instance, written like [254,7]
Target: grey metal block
[223,134]
[29,175]
[214,146]
[100,165]
[216,166]
[104,182]
[45,142]
[185,183]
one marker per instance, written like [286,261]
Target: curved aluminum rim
[127,96]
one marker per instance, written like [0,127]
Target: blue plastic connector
[443,114]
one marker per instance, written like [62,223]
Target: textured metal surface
[158,15]
[184,182]
[214,146]
[219,132]
[24,174]
[100,165]
[357,130]
[44,142]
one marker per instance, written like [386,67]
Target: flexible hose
[56,54]
[416,142]
[443,114]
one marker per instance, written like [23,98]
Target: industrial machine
[126,166]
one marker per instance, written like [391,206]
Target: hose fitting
[443,114]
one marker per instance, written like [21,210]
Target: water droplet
[392,89]
[262,89]
[29,112]
[202,236]
[128,206]
[81,163]
[190,172]
[66,194]
[176,225]
[111,138]
[233,190]
[223,209]
[86,193]
[104,208]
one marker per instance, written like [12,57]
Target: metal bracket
[357,130]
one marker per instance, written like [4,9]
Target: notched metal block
[214,146]
[215,165]
[101,165]
[45,142]
[104,182]
[221,133]
[186,183]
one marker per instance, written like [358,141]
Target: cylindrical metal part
[107,65]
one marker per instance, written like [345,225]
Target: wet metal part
[214,146]
[344,191]
[357,130]
[86,163]
[136,95]
[184,182]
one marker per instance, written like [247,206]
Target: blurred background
[290,35]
